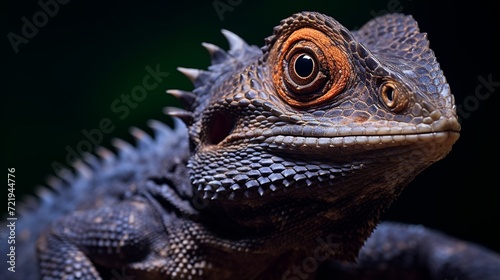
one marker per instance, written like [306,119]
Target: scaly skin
[294,151]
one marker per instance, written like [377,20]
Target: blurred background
[70,77]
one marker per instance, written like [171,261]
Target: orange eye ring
[309,68]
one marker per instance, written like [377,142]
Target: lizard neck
[341,212]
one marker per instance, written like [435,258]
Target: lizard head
[321,128]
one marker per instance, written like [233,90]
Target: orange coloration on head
[310,68]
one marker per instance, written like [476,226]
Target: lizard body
[286,158]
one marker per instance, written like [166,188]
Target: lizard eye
[304,66]
[309,68]
[303,75]
[394,96]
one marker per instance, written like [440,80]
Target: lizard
[278,167]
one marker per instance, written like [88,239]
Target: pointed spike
[174,111]
[160,129]
[83,169]
[217,54]
[179,126]
[65,174]
[44,194]
[140,135]
[235,41]
[211,48]
[53,182]
[261,191]
[221,190]
[273,187]
[121,144]
[190,73]
[158,126]
[137,132]
[92,161]
[206,196]
[187,97]
[105,154]
[143,140]
[124,148]
[186,116]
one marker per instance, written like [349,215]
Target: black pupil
[304,65]
[389,93]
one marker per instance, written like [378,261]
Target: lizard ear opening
[309,69]
[219,127]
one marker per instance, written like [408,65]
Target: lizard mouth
[366,141]
[443,132]
[320,139]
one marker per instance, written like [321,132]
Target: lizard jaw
[444,132]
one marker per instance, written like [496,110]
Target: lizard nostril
[219,127]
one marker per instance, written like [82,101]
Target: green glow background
[66,77]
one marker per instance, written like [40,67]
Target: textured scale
[285,154]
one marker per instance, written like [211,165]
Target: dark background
[65,78]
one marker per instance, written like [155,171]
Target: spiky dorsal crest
[222,62]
